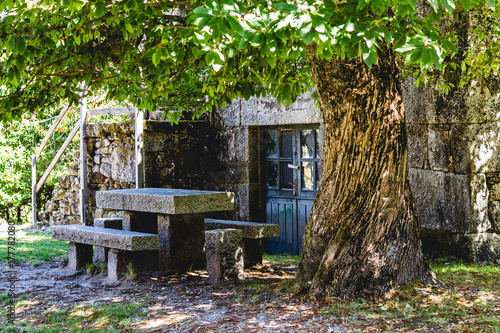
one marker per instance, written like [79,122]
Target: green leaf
[20,45]
[12,43]
[257,39]
[156,57]
[352,52]
[305,24]
[415,55]
[100,9]
[491,3]
[450,46]
[426,57]
[235,24]
[434,4]
[285,7]
[466,4]
[209,58]
[448,5]
[435,59]
[201,10]
[129,28]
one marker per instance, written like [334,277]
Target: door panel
[282,212]
[291,178]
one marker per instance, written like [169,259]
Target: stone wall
[175,156]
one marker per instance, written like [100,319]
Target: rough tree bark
[362,236]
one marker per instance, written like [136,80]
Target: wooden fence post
[84,191]
[33,190]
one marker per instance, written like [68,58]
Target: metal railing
[36,185]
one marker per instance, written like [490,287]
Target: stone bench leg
[101,252]
[224,254]
[79,255]
[182,241]
[117,261]
[252,251]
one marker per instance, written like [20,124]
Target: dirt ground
[178,303]
[263,302]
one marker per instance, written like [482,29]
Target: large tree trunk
[362,236]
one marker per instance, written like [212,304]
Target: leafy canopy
[181,55]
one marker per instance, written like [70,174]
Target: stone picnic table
[175,215]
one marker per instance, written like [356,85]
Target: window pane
[286,175]
[286,143]
[307,143]
[316,171]
[271,142]
[307,176]
[272,174]
[316,139]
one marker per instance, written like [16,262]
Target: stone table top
[165,200]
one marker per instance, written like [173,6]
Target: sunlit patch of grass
[280,259]
[458,273]
[115,317]
[33,247]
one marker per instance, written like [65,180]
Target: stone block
[123,164]
[485,247]
[265,111]
[482,103]
[116,239]
[95,130]
[419,102]
[58,194]
[417,145]
[105,170]
[66,181]
[79,255]
[230,115]
[453,202]
[224,254]
[439,147]
[182,241]
[51,206]
[494,214]
[476,147]
[165,201]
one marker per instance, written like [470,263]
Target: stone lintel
[249,229]
[165,201]
[110,238]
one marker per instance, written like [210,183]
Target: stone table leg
[182,241]
[79,255]
[101,252]
[116,264]
[252,251]
[141,222]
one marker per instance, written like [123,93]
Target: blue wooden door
[291,179]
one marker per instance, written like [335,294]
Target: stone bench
[253,235]
[224,254]
[82,239]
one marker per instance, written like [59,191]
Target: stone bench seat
[82,239]
[253,235]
